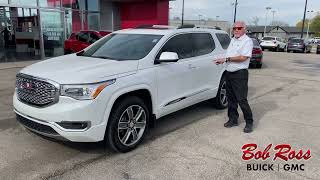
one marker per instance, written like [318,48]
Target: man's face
[238,30]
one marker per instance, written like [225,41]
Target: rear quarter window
[224,40]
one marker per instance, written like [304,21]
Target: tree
[279,23]
[255,21]
[299,24]
[315,24]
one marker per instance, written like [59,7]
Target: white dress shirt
[239,47]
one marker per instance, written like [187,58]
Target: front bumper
[295,49]
[45,121]
[268,46]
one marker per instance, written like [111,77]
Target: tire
[220,101]
[259,66]
[284,49]
[277,48]
[116,132]
[262,49]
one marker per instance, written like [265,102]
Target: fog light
[74,125]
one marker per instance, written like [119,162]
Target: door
[52,24]
[205,77]
[174,80]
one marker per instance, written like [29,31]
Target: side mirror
[166,57]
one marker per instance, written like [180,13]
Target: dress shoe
[248,128]
[230,124]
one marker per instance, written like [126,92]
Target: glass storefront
[35,29]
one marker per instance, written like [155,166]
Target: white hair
[242,23]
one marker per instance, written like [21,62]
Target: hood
[73,69]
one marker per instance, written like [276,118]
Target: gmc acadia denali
[115,88]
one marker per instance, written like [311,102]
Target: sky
[288,11]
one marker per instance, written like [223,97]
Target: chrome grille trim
[36,91]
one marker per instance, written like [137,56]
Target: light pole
[304,18]
[182,18]
[265,26]
[235,11]
[199,19]
[272,23]
[309,24]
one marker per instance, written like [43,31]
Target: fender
[123,91]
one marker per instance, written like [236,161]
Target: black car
[299,45]
[257,54]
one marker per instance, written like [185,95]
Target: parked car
[316,40]
[81,40]
[299,45]
[257,54]
[116,88]
[273,43]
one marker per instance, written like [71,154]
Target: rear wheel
[278,48]
[220,101]
[259,66]
[128,124]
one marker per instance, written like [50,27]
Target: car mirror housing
[166,57]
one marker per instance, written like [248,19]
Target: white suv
[114,89]
[273,43]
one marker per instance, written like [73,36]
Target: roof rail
[209,27]
[149,26]
[186,26]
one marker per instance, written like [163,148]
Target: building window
[24,2]
[3,1]
[91,21]
[49,3]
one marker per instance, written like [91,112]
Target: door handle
[190,66]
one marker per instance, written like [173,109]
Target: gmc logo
[27,86]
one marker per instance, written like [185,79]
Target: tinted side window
[93,38]
[83,37]
[203,43]
[224,40]
[181,44]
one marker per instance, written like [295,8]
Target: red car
[257,54]
[81,40]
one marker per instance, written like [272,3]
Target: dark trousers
[237,92]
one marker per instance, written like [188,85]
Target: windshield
[268,38]
[296,41]
[123,47]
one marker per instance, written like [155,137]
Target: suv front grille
[40,128]
[36,92]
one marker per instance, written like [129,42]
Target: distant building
[280,31]
[224,25]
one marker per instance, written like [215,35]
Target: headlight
[85,91]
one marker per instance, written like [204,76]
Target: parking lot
[191,144]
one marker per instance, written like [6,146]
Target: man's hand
[219,61]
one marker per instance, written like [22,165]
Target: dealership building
[37,29]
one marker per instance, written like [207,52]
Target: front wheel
[220,101]
[128,124]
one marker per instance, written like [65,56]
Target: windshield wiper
[104,57]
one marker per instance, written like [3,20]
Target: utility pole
[182,13]
[304,18]
[235,11]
